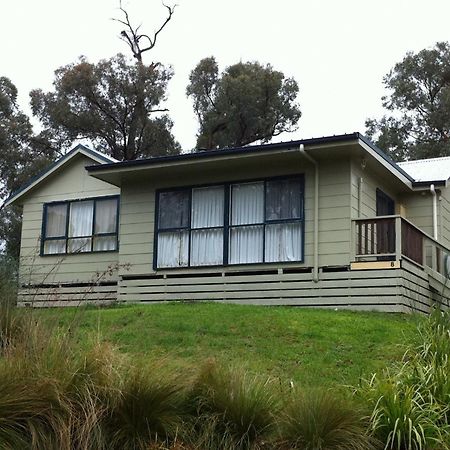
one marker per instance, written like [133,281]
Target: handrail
[397,216]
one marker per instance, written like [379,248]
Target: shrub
[235,407]
[319,420]
[150,408]
[402,417]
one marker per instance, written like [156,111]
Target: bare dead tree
[140,43]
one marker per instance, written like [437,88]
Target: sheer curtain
[247,208]
[173,213]
[207,212]
[55,226]
[80,226]
[283,242]
[173,249]
[105,222]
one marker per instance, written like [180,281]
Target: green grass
[309,347]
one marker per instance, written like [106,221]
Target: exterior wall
[137,214]
[444,216]
[370,183]
[70,182]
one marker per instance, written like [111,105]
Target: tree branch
[132,37]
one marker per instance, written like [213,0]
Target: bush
[411,402]
[319,420]
[235,409]
[150,408]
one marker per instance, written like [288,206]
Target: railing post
[434,257]
[424,251]
[398,238]
[353,241]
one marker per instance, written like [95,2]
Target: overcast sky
[337,50]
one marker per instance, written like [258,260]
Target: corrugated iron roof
[426,170]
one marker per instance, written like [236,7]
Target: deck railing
[391,238]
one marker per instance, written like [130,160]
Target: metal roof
[428,170]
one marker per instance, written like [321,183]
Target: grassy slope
[307,346]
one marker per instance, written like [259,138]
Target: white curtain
[247,203]
[207,207]
[104,243]
[207,247]
[173,249]
[246,244]
[54,247]
[55,226]
[56,220]
[81,217]
[207,211]
[247,207]
[80,224]
[283,242]
[106,216]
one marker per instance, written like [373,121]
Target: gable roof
[80,149]
[262,148]
[428,170]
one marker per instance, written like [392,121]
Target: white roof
[432,169]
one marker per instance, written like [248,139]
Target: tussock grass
[237,407]
[320,420]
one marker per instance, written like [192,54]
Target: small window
[80,226]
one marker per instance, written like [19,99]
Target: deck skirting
[68,294]
[403,288]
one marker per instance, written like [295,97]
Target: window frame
[66,236]
[227,226]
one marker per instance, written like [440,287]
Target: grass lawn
[310,347]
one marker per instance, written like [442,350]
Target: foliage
[320,420]
[411,401]
[114,103]
[151,407]
[22,155]
[417,124]
[248,102]
[235,404]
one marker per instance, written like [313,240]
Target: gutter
[316,211]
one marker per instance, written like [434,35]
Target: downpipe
[316,211]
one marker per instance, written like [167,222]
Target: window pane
[56,220]
[207,207]
[106,216]
[246,244]
[53,247]
[284,242]
[173,249]
[174,209]
[283,199]
[105,243]
[81,216]
[207,247]
[80,245]
[247,203]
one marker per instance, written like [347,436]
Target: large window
[80,226]
[237,223]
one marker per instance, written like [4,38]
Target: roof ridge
[415,161]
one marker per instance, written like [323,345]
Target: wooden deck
[394,267]
[402,288]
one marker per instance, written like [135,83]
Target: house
[328,222]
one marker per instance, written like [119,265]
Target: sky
[337,50]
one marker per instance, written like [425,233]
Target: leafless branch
[133,38]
